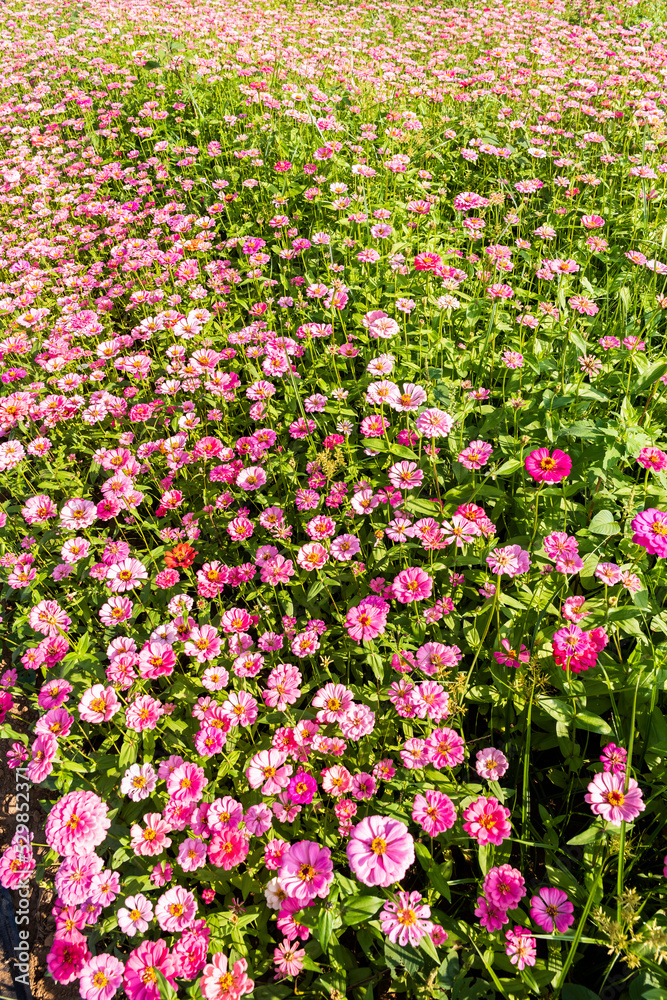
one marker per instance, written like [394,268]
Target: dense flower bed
[334,495]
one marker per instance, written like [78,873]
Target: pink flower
[405,921]
[267,768]
[143,713]
[306,871]
[614,758]
[509,656]
[405,475]
[77,514]
[218,982]
[240,708]
[365,622]
[98,704]
[288,959]
[608,797]
[434,811]
[126,575]
[186,783]
[77,823]
[504,887]
[380,851]
[101,977]
[140,981]
[412,584]
[650,531]
[476,455]
[333,701]
[228,848]
[491,764]
[592,221]
[490,917]
[203,644]
[511,560]
[487,821]
[652,458]
[521,947]
[67,957]
[44,751]
[135,916]
[336,780]
[548,468]
[445,748]
[175,909]
[152,839]
[434,423]
[551,910]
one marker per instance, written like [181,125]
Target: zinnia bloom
[608,797]
[306,871]
[140,981]
[551,910]
[406,920]
[412,584]
[77,823]
[548,468]
[434,811]
[487,821]
[380,851]
[101,977]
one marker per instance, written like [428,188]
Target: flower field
[333,495]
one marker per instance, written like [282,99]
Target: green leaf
[358,909]
[510,466]
[650,375]
[604,524]
[556,708]
[167,991]
[324,928]
[398,956]
[587,837]
[592,723]
[571,992]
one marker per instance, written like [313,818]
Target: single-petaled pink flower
[306,871]
[380,851]
[608,797]
[405,920]
[551,910]
[548,467]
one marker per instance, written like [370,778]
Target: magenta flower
[487,821]
[406,920]
[380,851]
[306,871]
[608,797]
[650,531]
[548,468]
[412,584]
[302,788]
[613,758]
[219,982]
[140,981]
[365,622]
[551,910]
[504,887]
[491,917]
[434,811]
[475,455]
